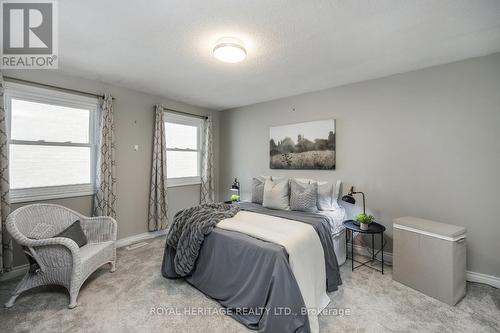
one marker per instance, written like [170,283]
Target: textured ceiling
[294,46]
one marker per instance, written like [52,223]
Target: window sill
[188,181]
[51,192]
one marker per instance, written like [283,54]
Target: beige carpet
[123,302]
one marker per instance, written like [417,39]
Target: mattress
[336,220]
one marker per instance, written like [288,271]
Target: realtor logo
[28,34]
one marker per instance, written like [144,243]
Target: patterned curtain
[207,165]
[105,197]
[158,206]
[5,239]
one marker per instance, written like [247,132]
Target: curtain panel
[105,197]
[158,205]
[207,194]
[5,239]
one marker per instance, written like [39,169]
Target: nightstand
[374,228]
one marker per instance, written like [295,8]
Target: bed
[253,278]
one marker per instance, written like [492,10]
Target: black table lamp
[349,197]
[236,187]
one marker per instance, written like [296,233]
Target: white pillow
[304,180]
[327,196]
[276,194]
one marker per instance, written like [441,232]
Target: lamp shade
[349,199]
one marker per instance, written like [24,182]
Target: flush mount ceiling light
[229,49]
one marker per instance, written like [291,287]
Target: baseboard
[139,238]
[483,278]
[15,272]
[470,276]
[21,270]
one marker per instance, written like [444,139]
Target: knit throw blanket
[189,229]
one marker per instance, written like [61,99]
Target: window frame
[175,118]
[47,96]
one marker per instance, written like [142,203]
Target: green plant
[365,219]
[235,197]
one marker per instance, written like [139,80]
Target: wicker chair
[59,261]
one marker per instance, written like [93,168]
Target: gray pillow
[258,189]
[276,194]
[74,232]
[303,196]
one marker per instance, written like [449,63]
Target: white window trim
[171,117]
[42,95]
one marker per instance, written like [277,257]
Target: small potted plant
[364,220]
[235,198]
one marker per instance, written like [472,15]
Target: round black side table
[373,229]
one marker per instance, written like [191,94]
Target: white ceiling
[294,46]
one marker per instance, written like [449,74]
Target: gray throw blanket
[189,229]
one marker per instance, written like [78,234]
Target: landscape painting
[309,145]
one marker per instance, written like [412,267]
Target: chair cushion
[94,255]
[74,232]
[90,250]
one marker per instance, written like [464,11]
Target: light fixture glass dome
[229,49]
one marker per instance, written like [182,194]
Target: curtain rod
[13,79]
[186,113]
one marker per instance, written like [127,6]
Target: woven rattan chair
[58,260]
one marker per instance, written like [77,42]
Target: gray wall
[134,120]
[424,143]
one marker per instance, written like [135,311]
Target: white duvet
[306,256]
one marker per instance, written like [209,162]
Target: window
[51,141]
[183,135]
